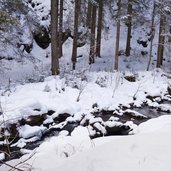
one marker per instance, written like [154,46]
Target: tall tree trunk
[76,18]
[169,41]
[89,13]
[152,35]
[99,28]
[92,37]
[60,27]
[54,41]
[160,42]
[129,24]
[117,36]
[163,41]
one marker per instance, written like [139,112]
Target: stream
[12,151]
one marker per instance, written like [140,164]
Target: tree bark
[99,28]
[160,42]
[129,24]
[54,42]
[76,19]
[89,13]
[60,28]
[92,36]
[152,36]
[117,36]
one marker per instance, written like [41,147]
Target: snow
[149,149]
[130,153]
[31,99]
[160,125]
[2,156]
[148,145]
[27,131]
[134,113]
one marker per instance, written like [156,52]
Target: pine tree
[76,19]
[99,28]
[54,41]
[152,35]
[60,27]
[89,11]
[92,36]
[129,25]
[117,36]
[160,41]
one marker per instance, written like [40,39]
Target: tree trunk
[99,28]
[129,24]
[89,12]
[117,36]
[152,35]
[54,42]
[92,37]
[160,42]
[163,41]
[76,18]
[60,28]
[169,41]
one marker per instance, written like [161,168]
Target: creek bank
[29,133]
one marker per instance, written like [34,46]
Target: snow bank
[148,150]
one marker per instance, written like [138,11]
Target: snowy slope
[107,90]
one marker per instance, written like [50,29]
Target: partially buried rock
[130,78]
[36,120]
[61,117]
[118,130]
[169,89]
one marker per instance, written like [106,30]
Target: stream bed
[104,118]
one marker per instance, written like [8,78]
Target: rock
[36,120]
[118,130]
[61,117]
[51,112]
[169,89]
[143,53]
[42,38]
[28,131]
[130,78]
[25,47]
[142,42]
[14,152]
[134,116]
[70,126]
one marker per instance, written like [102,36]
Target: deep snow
[148,150]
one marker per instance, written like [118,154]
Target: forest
[85,85]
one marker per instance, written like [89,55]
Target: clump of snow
[28,131]
[2,156]
[165,107]
[135,113]
[33,109]
[22,142]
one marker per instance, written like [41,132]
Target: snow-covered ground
[76,94]
[148,150]
[26,89]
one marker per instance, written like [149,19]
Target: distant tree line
[91,14]
[126,11]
